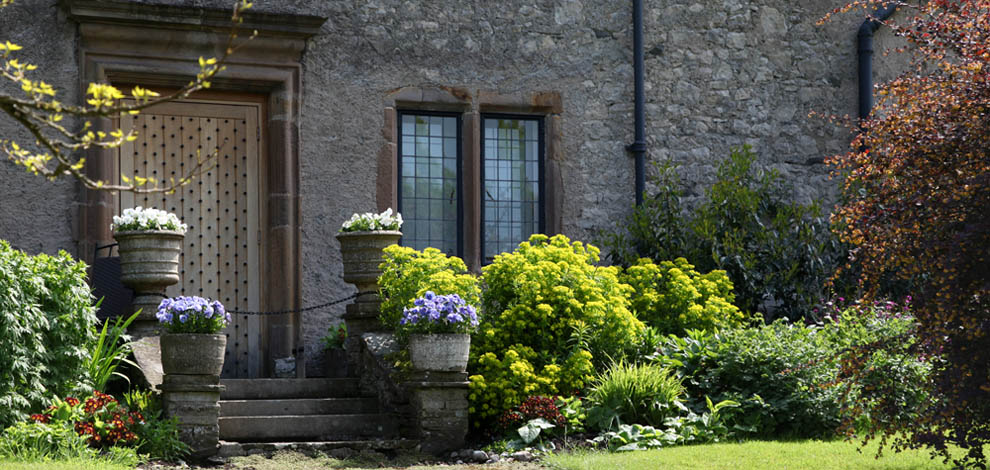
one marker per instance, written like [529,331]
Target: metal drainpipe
[638,147]
[865,54]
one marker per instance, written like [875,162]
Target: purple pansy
[434,313]
[192,315]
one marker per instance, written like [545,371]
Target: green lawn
[81,464]
[834,455]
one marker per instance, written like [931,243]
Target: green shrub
[778,254]
[893,386]
[787,366]
[37,441]
[158,437]
[785,376]
[550,314]
[674,297]
[630,393]
[407,274]
[46,320]
[501,381]
[47,442]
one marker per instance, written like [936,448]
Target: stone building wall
[718,75]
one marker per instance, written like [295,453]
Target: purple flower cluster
[192,314]
[439,313]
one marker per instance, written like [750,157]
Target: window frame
[541,178]
[400,113]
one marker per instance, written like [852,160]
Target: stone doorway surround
[159,46]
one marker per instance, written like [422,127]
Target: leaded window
[512,182]
[429,175]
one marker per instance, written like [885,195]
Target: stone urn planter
[439,352]
[149,263]
[193,353]
[362,255]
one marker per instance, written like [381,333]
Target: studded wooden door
[220,259]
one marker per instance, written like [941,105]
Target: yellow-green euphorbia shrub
[674,297]
[408,273]
[550,315]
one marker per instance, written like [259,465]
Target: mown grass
[756,455]
[74,464]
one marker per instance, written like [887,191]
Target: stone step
[336,449]
[298,406]
[268,389]
[341,427]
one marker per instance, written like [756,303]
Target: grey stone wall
[35,215]
[718,75]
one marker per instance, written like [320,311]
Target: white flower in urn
[141,218]
[370,221]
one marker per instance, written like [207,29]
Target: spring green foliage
[43,444]
[158,436]
[34,441]
[336,336]
[112,346]
[46,319]
[689,428]
[407,274]
[550,315]
[633,393]
[772,249]
[674,297]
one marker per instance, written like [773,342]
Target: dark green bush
[778,254]
[46,329]
[786,377]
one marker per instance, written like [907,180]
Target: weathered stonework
[717,75]
[440,409]
[195,401]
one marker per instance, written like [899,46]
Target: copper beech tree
[917,206]
[58,149]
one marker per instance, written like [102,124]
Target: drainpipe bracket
[636,147]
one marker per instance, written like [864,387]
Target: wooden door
[220,259]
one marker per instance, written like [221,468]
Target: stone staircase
[262,415]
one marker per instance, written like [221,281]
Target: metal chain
[276,312]
[301,310]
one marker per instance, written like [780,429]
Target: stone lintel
[184,17]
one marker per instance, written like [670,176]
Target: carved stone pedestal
[195,401]
[440,409]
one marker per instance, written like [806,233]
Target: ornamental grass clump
[630,393]
[370,221]
[192,315]
[438,314]
[141,218]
